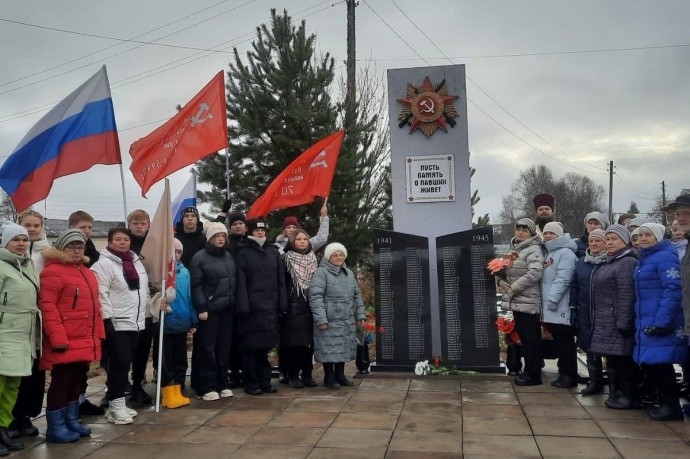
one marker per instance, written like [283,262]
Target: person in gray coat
[613,295]
[337,306]
[522,295]
[559,267]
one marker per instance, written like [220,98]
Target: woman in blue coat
[659,337]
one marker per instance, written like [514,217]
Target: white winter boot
[118,413]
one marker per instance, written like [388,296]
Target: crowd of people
[619,292]
[67,305]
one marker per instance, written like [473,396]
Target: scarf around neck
[301,267]
[128,268]
[595,259]
[259,240]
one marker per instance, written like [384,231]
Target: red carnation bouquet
[497,266]
[506,325]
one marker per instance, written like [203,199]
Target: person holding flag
[180,319]
[291,224]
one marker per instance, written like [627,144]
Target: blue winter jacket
[658,291]
[559,266]
[183,315]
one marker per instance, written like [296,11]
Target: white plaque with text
[430,178]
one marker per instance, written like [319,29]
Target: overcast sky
[594,80]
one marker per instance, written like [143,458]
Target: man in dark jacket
[190,232]
[261,296]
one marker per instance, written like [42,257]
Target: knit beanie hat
[544,200]
[656,229]
[214,228]
[598,216]
[637,221]
[255,223]
[599,233]
[636,232]
[528,223]
[290,220]
[332,248]
[189,210]
[620,231]
[178,245]
[236,217]
[554,227]
[69,235]
[9,231]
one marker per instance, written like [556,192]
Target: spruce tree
[278,105]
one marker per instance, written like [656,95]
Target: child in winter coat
[180,319]
[659,337]
[559,267]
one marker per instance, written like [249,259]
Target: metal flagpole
[161,323]
[227,173]
[124,195]
[193,171]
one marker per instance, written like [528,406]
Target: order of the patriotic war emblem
[428,107]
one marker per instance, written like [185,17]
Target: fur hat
[544,199]
[528,223]
[554,227]
[290,220]
[189,210]
[178,245]
[332,248]
[656,229]
[9,231]
[214,228]
[69,235]
[620,231]
[255,223]
[598,216]
[236,217]
[598,233]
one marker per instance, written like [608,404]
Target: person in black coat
[213,279]
[261,296]
[296,326]
[190,232]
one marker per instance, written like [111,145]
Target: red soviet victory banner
[308,176]
[199,129]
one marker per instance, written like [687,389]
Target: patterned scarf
[596,258]
[301,267]
[128,269]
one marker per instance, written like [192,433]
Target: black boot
[595,384]
[340,375]
[565,382]
[139,395]
[669,409]
[307,379]
[293,379]
[329,379]
[10,444]
[614,391]
[628,398]
[22,427]
[4,451]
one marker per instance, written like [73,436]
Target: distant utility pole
[611,191]
[351,64]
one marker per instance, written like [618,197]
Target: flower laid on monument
[498,266]
[369,328]
[423,368]
[506,325]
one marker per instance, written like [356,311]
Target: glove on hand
[656,330]
[626,333]
[226,206]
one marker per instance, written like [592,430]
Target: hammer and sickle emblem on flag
[197,119]
[319,161]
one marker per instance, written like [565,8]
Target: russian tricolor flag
[75,135]
[186,198]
